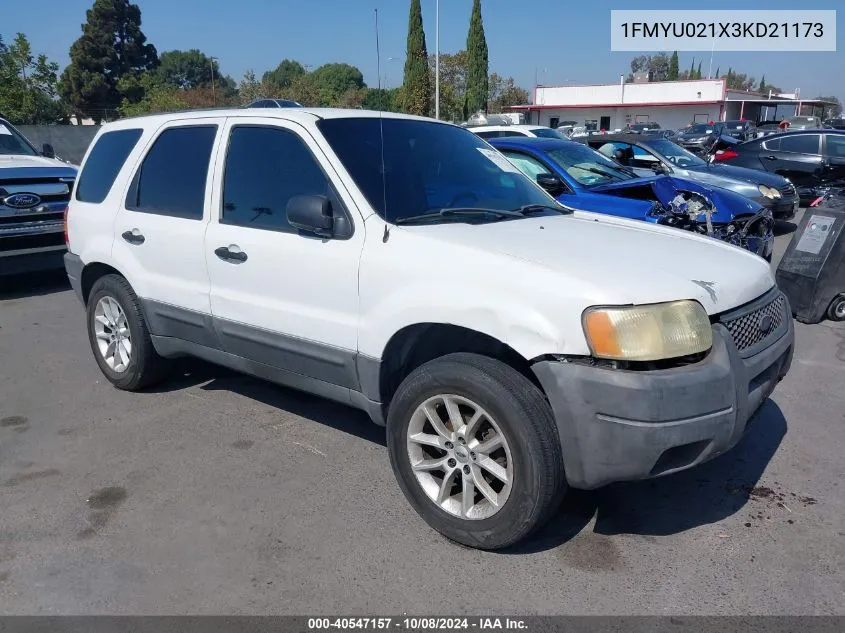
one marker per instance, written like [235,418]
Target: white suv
[402,266]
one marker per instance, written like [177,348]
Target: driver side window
[528,165]
[643,158]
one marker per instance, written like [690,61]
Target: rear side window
[171,180]
[265,168]
[803,144]
[104,163]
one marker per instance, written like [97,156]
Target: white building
[672,104]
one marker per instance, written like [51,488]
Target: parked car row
[512,346]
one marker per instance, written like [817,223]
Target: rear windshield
[104,164]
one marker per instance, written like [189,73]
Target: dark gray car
[648,155]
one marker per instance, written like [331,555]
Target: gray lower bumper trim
[619,425]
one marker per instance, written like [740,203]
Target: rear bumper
[73,267]
[31,260]
[620,425]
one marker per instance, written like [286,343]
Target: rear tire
[510,454]
[836,311]
[119,337]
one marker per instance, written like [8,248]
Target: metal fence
[68,141]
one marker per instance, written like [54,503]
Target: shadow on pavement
[33,284]
[783,227]
[675,503]
[192,372]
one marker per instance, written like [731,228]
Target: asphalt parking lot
[218,493]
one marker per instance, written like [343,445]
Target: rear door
[160,228]
[834,158]
[797,157]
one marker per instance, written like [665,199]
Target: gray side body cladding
[330,372]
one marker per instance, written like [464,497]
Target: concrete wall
[672,117]
[706,90]
[69,141]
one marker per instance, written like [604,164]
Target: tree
[477,63]
[718,76]
[112,46]
[673,67]
[698,72]
[692,69]
[762,87]
[303,90]
[382,99]
[28,84]
[416,82]
[155,97]
[453,82]
[504,93]
[658,67]
[335,80]
[282,76]
[187,69]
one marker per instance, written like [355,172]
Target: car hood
[728,176]
[20,166]
[728,204]
[622,261]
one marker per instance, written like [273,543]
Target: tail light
[67,239]
[724,154]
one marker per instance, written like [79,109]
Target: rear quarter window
[104,164]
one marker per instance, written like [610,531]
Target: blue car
[582,178]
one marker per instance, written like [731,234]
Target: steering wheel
[464,199]
[673,159]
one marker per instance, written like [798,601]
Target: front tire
[119,337]
[476,451]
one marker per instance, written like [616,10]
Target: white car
[498,131]
[402,266]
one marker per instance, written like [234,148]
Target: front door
[279,297]
[834,158]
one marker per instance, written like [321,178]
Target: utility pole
[437,60]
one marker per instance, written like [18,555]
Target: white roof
[498,128]
[298,115]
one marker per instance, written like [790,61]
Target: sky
[551,41]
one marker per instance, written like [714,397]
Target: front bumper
[618,425]
[31,260]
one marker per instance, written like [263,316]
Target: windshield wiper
[459,212]
[537,208]
[598,171]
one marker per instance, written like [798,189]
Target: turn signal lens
[651,332]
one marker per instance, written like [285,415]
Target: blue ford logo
[22,200]
[765,324]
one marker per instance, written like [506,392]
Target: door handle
[770,157]
[133,237]
[228,255]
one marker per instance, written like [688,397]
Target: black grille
[787,189]
[745,330]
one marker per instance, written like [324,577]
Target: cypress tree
[698,72]
[717,72]
[763,83]
[692,69]
[673,67]
[417,82]
[112,47]
[477,63]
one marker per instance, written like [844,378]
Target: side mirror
[551,183]
[312,214]
[47,151]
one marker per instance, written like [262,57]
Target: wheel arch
[91,273]
[417,344]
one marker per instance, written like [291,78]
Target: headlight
[648,332]
[769,192]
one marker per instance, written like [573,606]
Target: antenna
[386,235]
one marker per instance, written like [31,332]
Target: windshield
[587,166]
[545,132]
[676,154]
[428,167]
[699,129]
[12,142]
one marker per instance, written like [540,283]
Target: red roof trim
[613,105]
